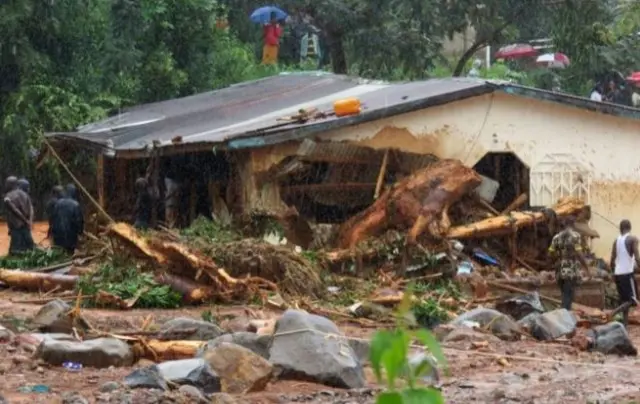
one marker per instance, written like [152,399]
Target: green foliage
[389,355]
[210,231]
[36,258]
[125,280]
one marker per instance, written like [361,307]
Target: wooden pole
[78,183]
[100,179]
[381,174]
[515,204]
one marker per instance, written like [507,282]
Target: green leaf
[422,396]
[380,343]
[429,341]
[394,359]
[390,397]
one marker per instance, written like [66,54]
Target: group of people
[612,93]
[567,251]
[66,222]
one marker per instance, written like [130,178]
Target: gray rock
[529,320]
[521,306]
[501,325]
[430,377]
[258,344]
[97,353]
[466,334]
[310,347]
[361,349]
[193,393]
[613,338]
[203,331]
[73,398]
[108,387]
[6,335]
[194,372]
[146,378]
[554,324]
[53,318]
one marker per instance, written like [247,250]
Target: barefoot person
[624,260]
[566,251]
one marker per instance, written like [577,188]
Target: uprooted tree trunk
[507,224]
[35,281]
[419,202]
[159,351]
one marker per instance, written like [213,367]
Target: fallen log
[158,351]
[507,224]
[419,202]
[129,235]
[36,281]
[191,291]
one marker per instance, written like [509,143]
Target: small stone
[146,378]
[499,394]
[241,371]
[73,398]
[203,330]
[196,372]
[108,387]
[40,370]
[223,398]
[6,335]
[193,393]
[53,317]
[11,349]
[20,359]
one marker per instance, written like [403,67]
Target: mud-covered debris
[521,306]
[554,324]
[501,325]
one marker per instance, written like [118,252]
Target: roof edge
[267,138]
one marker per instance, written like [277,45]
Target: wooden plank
[381,174]
[100,180]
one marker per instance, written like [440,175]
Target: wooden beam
[100,180]
[381,174]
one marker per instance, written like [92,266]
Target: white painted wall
[601,151]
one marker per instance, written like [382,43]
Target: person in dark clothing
[24,185]
[144,204]
[566,251]
[67,223]
[624,261]
[56,194]
[19,220]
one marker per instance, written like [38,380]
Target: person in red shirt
[272,32]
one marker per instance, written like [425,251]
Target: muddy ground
[535,373]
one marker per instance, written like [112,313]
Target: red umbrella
[634,78]
[515,51]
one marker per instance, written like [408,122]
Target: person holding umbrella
[272,32]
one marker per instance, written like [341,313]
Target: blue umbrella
[262,15]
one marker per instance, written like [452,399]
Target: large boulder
[194,330]
[554,324]
[193,372]
[500,325]
[520,306]
[258,344]
[97,353]
[241,371]
[612,338]
[310,347]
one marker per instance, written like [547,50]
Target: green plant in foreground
[36,258]
[389,356]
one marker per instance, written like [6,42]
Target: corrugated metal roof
[252,109]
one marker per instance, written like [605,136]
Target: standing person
[171,202]
[24,185]
[566,251]
[272,33]
[18,211]
[57,192]
[144,204]
[67,223]
[624,260]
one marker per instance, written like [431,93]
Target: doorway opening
[512,174]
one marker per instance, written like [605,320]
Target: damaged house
[276,143]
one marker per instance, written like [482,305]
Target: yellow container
[347,106]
